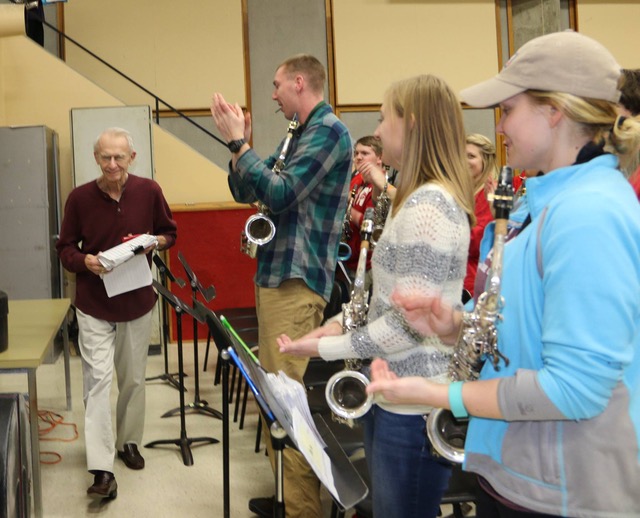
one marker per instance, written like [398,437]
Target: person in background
[367,150]
[629,106]
[556,430]
[307,201]
[481,155]
[423,247]
[112,331]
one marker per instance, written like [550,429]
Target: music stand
[165,274]
[208,294]
[222,342]
[344,482]
[183,441]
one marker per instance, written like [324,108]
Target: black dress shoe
[263,507]
[104,485]
[131,456]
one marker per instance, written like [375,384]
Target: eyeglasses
[118,158]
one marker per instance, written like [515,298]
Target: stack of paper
[287,399]
[127,264]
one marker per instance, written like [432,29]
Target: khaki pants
[292,309]
[102,345]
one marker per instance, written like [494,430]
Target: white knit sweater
[424,248]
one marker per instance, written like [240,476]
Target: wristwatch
[235,145]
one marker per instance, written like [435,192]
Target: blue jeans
[406,479]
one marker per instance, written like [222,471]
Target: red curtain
[210,242]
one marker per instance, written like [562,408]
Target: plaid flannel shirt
[307,201]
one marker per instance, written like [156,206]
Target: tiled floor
[166,487]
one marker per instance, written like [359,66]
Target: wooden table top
[33,324]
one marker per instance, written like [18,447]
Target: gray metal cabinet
[29,213]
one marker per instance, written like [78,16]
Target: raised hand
[229,119]
[428,315]
[373,174]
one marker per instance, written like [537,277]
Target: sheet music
[284,396]
[129,269]
[314,451]
[121,253]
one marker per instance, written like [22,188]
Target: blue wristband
[455,400]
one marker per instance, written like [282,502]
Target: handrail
[158,100]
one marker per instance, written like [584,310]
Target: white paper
[313,451]
[124,251]
[289,394]
[128,270]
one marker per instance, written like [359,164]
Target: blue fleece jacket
[571,393]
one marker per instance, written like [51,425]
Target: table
[33,324]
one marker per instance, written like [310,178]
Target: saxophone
[259,229]
[380,212]
[344,250]
[346,390]
[479,340]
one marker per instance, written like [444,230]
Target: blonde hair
[600,122]
[434,140]
[488,152]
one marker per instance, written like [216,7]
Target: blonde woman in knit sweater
[423,247]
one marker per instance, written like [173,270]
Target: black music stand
[165,274]
[223,342]
[183,441]
[208,294]
[348,487]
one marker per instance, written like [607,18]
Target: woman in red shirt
[481,155]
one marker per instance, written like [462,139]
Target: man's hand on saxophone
[377,177]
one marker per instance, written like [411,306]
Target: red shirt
[94,222]
[483,216]
[635,182]
[362,201]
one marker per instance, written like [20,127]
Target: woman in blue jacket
[556,430]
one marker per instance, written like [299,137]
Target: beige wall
[615,25]
[38,89]
[180,51]
[381,41]
[189,49]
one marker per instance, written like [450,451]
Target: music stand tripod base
[183,441]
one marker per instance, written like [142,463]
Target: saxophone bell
[258,231]
[346,394]
[346,391]
[447,434]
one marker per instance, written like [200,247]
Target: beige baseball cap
[567,62]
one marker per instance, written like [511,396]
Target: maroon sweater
[93,222]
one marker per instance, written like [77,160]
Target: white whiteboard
[88,123]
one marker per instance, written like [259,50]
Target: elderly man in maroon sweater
[113,331]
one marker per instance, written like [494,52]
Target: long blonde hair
[434,140]
[488,153]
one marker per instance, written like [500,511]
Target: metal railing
[158,100]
